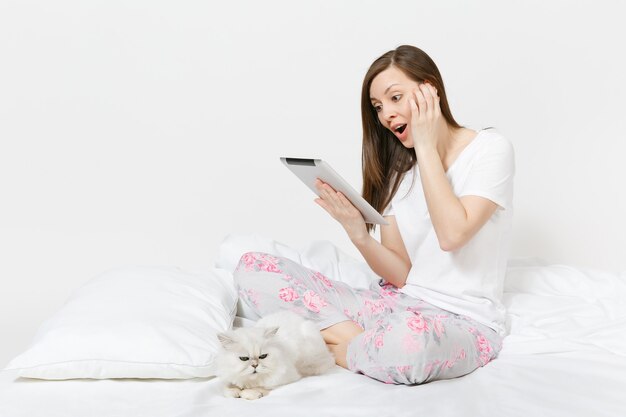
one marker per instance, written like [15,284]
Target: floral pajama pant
[405,340]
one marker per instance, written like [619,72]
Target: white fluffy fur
[294,348]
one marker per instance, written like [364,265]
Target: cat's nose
[254,365]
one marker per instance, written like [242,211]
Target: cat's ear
[270,331]
[226,339]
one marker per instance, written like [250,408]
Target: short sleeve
[491,174]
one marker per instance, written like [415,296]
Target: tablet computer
[308,170]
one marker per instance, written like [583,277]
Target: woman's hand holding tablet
[337,197]
[342,210]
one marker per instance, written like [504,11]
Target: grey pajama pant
[405,340]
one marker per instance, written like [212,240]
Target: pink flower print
[313,301]
[417,323]
[287,277]
[402,369]
[248,259]
[269,264]
[429,368]
[378,340]
[288,294]
[448,364]
[375,307]
[484,347]
[298,283]
[410,344]
[324,280]
[250,295]
[368,336]
[438,327]
[452,361]
[387,292]
[483,344]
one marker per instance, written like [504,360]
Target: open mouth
[400,129]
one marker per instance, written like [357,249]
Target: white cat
[281,348]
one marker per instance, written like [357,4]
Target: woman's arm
[455,220]
[388,259]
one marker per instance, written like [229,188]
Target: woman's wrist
[360,241]
[423,150]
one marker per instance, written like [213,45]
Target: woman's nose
[389,113]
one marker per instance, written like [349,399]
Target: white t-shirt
[468,281]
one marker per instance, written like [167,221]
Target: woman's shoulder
[494,141]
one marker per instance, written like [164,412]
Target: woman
[446,192]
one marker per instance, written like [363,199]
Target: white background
[143,132]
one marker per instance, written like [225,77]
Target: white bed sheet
[568,384]
[565,356]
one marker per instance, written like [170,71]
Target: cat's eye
[263,356]
[244,358]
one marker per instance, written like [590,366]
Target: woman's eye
[263,356]
[377,108]
[397,95]
[244,358]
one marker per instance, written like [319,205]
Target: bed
[564,355]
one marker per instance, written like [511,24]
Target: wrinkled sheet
[565,355]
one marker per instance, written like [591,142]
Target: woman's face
[389,93]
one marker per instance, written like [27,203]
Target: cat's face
[249,353]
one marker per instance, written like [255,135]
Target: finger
[332,195]
[433,90]
[322,188]
[343,200]
[435,94]
[329,188]
[437,101]
[318,184]
[325,194]
[428,98]
[415,112]
[349,207]
[421,101]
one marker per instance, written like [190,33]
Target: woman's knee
[259,261]
[407,348]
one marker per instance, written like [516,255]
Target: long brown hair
[384,158]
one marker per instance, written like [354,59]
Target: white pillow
[135,322]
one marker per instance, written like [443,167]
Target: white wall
[144,132]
